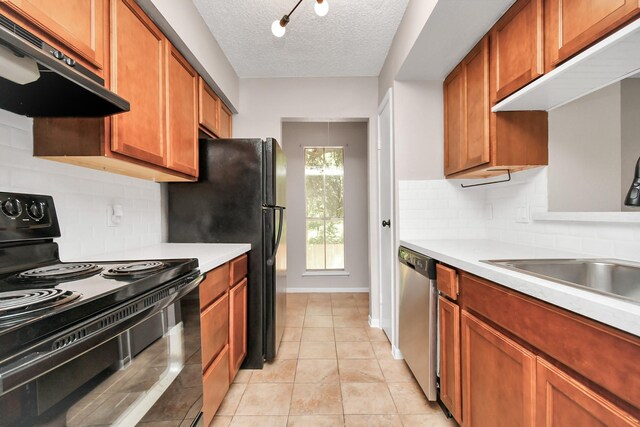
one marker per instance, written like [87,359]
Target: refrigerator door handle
[272,259]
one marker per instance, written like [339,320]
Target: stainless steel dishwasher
[418,317]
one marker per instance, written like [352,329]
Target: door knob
[386,223]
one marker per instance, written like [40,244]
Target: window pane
[334,197]
[334,158]
[315,245]
[313,160]
[314,185]
[335,244]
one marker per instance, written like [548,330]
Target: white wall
[81,196]
[352,136]
[438,209]
[413,21]
[630,93]
[185,27]
[419,129]
[585,153]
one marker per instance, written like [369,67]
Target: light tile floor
[332,369]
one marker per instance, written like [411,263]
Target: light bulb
[321,7]
[277,29]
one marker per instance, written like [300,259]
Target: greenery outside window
[324,194]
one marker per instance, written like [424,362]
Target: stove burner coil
[135,269]
[60,272]
[22,303]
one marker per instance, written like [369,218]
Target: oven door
[151,373]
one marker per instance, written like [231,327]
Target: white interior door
[386,209]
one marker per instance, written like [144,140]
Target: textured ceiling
[352,40]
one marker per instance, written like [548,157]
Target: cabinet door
[573,25]
[517,55]
[209,108]
[454,121]
[77,24]
[182,114]
[214,329]
[450,382]
[498,378]
[215,384]
[237,327]
[225,122]
[564,402]
[137,74]
[477,109]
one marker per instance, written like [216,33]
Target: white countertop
[210,255]
[467,254]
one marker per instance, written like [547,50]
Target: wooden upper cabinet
[477,108]
[214,117]
[563,401]
[517,48]
[138,75]
[454,120]
[479,143]
[77,25]
[209,108]
[573,25]
[450,381]
[225,128]
[182,114]
[498,378]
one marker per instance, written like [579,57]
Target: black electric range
[52,312]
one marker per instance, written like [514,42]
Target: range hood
[37,80]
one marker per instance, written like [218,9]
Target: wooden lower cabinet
[215,284]
[237,327]
[450,382]
[215,385]
[214,325]
[564,402]
[498,378]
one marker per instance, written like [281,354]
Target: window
[324,185]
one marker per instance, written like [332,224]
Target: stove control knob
[36,210]
[11,208]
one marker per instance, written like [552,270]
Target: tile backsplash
[441,209]
[81,195]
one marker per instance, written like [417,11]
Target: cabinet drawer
[600,353]
[214,285]
[447,279]
[214,328]
[215,385]
[238,269]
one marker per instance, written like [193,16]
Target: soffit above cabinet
[453,28]
[610,60]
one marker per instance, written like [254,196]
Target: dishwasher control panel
[421,263]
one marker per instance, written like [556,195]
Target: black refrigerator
[240,198]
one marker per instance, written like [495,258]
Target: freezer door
[275,174]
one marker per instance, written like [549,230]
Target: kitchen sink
[607,276]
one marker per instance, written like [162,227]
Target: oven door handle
[62,347]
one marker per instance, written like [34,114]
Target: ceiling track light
[278,28]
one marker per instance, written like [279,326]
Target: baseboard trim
[396,353]
[326,290]
[374,323]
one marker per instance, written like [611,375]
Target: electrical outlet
[522,214]
[114,215]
